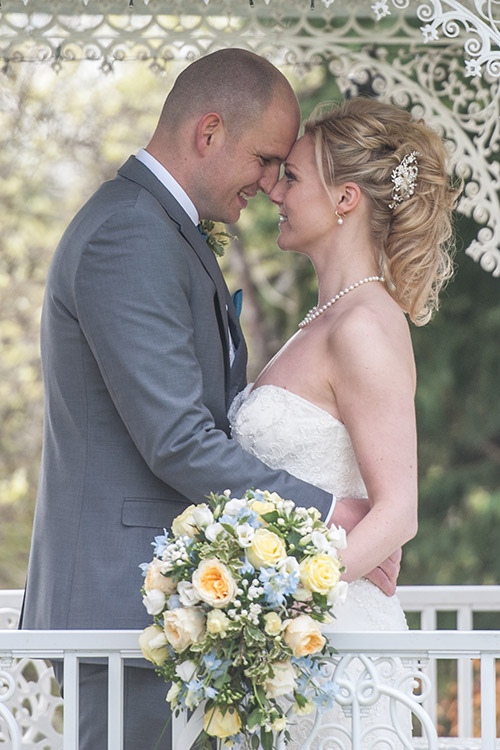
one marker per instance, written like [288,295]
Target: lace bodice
[288,432]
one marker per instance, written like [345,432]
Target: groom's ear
[350,193]
[209,133]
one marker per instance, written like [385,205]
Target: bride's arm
[373,379]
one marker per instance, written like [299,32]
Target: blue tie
[200,230]
[238,300]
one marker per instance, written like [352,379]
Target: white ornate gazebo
[438,58]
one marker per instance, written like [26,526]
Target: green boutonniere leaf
[217,237]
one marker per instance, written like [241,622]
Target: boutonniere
[216,236]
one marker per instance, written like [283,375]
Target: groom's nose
[276,193]
[269,178]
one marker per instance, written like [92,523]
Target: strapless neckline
[250,390]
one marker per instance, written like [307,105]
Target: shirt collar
[170,183]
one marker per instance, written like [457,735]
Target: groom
[142,354]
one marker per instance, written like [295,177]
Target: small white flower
[429,33]
[288,565]
[338,594]
[154,601]
[245,534]
[212,531]
[186,670]
[187,594]
[233,507]
[337,536]
[320,541]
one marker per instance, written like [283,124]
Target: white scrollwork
[30,706]
[415,59]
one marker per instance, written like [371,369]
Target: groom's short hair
[236,83]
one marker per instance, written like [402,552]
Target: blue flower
[174,602]
[247,567]
[160,543]
[277,586]
[144,567]
[325,699]
[212,662]
[210,692]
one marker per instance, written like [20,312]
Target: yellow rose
[155,580]
[303,635]
[272,497]
[183,627]
[218,724]
[217,622]
[213,583]
[267,549]
[272,623]
[283,682]
[320,573]
[153,644]
[260,507]
[184,524]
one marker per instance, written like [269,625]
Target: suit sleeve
[133,294]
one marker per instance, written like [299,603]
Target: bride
[365,195]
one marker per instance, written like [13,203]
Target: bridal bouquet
[238,589]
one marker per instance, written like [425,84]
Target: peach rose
[218,724]
[213,583]
[267,548]
[184,626]
[156,580]
[320,573]
[303,635]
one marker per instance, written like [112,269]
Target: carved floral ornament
[440,59]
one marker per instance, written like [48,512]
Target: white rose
[212,531]
[301,594]
[187,595]
[245,534]
[152,642]
[154,601]
[184,525]
[202,516]
[184,626]
[233,507]
[283,681]
[186,670]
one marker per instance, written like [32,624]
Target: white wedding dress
[288,432]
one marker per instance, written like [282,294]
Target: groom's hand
[385,576]
[348,513]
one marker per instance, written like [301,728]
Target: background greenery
[60,137]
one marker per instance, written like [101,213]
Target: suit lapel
[137,172]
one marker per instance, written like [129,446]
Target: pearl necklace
[316,311]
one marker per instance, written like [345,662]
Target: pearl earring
[340,217]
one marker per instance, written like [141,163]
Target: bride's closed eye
[290,177]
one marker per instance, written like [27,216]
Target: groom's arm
[148,325]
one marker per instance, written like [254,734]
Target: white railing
[24,703]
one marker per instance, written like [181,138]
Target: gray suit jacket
[137,386]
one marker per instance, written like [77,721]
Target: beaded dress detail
[288,432]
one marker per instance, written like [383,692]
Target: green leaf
[267,740]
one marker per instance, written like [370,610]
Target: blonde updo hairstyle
[363,140]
